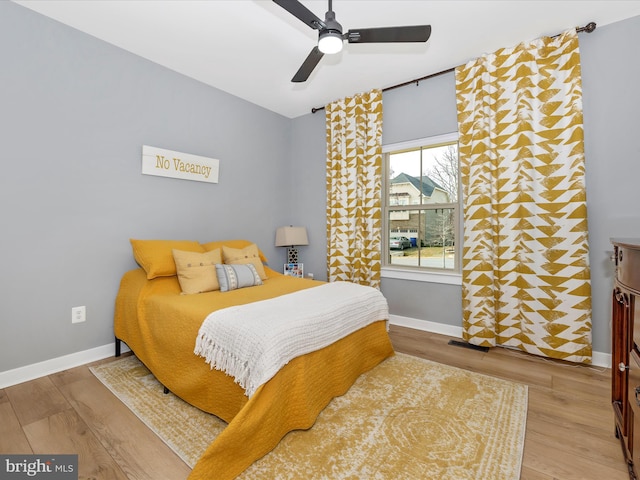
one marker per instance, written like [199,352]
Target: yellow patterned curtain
[354,188]
[525,270]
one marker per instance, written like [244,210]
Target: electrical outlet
[78,314]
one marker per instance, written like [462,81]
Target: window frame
[417,273]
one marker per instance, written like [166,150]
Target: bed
[160,324]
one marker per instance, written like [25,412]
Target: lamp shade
[291,236]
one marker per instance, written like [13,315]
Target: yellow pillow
[232,244]
[197,271]
[156,256]
[240,256]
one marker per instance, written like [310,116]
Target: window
[421,205]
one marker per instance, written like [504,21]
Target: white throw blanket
[252,342]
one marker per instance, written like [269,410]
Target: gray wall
[611,104]
[74,114]
[308,199]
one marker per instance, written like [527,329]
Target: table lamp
[291,237]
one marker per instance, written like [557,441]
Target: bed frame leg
[119,352]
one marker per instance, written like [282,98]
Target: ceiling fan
[330,36]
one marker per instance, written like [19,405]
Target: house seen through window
[421,206]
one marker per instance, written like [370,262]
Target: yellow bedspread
[161,326]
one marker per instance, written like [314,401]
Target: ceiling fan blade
[308,65]
[301,12]
[414,33]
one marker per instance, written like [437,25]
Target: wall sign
[167,163]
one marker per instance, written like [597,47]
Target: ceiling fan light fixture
[330,41]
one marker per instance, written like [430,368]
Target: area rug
[407,418]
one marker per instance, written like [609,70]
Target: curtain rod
[589,27]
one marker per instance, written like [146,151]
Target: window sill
[421,276]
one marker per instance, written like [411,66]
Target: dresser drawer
[628,266]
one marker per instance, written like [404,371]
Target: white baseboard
[598,359]
[55,365]
[426,326]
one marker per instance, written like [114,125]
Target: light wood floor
[569,425]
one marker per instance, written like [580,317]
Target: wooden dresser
[625,352]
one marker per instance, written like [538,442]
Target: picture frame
[294,270]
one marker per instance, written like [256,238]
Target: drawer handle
[622,367]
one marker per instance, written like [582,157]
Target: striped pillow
[232,277]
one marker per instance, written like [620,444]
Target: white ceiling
[252,48]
